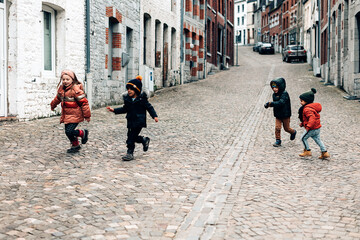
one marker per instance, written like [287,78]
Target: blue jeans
[314,134]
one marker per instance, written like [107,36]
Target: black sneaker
[74,149]
[128,157]
[86,136]
[277,143]
[146,144]
[292,136]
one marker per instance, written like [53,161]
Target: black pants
[132,138]
[70,131]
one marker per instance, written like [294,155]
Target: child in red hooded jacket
[310,120]
[74,108]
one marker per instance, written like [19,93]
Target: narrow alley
[211,171]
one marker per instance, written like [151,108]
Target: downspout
[319,36]
[181,41]
[86,83]
[87,36]
[328,47]
[205,40]
[225,35]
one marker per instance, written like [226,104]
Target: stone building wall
[114,36]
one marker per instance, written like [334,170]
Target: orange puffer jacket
[74,105]
[311,116]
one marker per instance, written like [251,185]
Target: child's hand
[110,109]
[266,105]
[156,119]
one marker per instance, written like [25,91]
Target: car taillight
[304,51]
[289,52]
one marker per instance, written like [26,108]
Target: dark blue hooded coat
[281,100]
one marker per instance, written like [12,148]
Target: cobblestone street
[211,171]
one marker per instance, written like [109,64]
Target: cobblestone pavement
[211,171]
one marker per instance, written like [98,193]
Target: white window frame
[53,54]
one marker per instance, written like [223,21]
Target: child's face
[275,89]
[66,80]
[302,102]
[131,93]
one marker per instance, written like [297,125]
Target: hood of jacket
[315,106]
[280,83]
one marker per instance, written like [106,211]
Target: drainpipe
[205,42]
[328,48]
[181,41]
[225,34]
[87,36]
[88,84]
[319,33]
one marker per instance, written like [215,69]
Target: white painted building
[37,41]
[160,42]
[240,22]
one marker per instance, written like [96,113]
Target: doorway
[2,60]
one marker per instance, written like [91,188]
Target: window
[238,8]
[242,21]
[220,38]
[112,24]
[238,21]
[243,7]
[48,40]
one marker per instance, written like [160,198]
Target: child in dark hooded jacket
[282,109]
[135,106]
[310,119]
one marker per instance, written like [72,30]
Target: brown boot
[306,153]
[324,155]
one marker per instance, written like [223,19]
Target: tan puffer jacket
[74,105]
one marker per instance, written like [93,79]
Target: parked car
[266,48]
[256,46]
[294,52]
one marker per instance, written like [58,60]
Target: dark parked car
[292,52]
[266,48]
[256,46]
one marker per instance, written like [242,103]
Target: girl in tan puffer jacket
[74,108]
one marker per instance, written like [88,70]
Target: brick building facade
[275,17]
[220,34]
[193,38]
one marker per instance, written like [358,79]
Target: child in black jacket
[135,106]
[282,109]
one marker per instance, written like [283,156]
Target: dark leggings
[70,131]
[133,137]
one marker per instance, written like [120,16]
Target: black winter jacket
[281,100]
[136,110]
